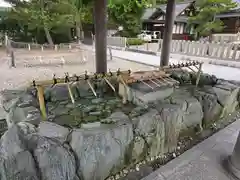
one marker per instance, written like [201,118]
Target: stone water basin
[87,108]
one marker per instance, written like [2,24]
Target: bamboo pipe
[90,85]
[70,93]
[60,81]
[109,83]
[40,92]
[191,69]
[68,87]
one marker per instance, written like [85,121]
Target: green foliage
[127,13]
[35,18]
[205,18]
[134,41]
[76,11]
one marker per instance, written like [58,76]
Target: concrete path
[205,161]
[228,73]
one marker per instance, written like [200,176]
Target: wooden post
[40,92]
[199,74]
[110,53]
[167,36]
[100,24]
[12,59]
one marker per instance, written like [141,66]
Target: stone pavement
[205,161]
[228,73]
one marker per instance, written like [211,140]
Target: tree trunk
[210,37]
[100,24]
[78,33]
[167,36]
[48,36]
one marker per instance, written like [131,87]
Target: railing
[227,51]
[226,37]
[111,41]
[34,46]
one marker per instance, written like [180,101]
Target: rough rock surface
[191,107]
[54,160]
[227,94]
[103,135]
[20,105]
[16,162]
[26,155]
[150,134]
[52,130]
[172,116]
[105,145]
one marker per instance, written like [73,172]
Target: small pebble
[174,155]
[117,176]
[178,148]
[125,171]
[137,167]
[148,159]
[179,143]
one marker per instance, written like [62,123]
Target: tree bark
[79,30]
[100,24]
[167,36]
[48,36]
[78,33]
[210,37]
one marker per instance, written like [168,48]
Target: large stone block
[211,108]
[57,93]
[141,94]
[16,162]
[172,116]
[20,166]
[54,160]
[105,145]
[21,98]
[191,107]
[150,128]
[227,94]
[29,114]
[52,130]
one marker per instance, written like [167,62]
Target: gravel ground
[29,66]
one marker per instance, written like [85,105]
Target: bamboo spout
[40,92]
